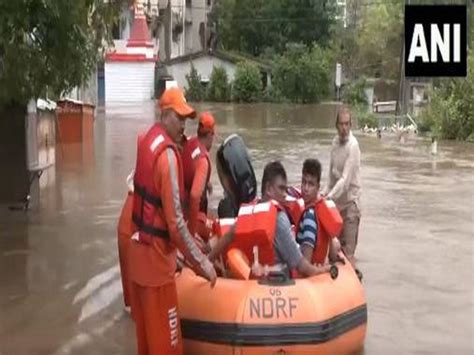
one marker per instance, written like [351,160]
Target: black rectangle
[440,14]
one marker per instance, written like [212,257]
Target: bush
[450,113]
[302,74]
[247,85]
[367,119]
[426,122]
[219,88]
[354,93]
[272,94]
[364,117]
[195,90]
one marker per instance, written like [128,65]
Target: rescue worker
[314,241]
[125,230]
[274,187]
[197,174]
[157,213]
[344,181]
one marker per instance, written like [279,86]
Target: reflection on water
[59,286]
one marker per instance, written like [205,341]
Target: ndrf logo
[435,40]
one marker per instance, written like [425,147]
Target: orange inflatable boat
[324,314]
[317,315]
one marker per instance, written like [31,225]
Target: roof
[140,37]
[230,57]
[126,57]
[139,45]
[46,105]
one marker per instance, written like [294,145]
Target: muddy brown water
[60,290]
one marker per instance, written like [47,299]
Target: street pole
[402,94]
[468,22]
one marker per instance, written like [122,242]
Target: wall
[88,92]
[129,81]
[197,13]
[14,176]
[203,65]
[178,9]
[46,136]
[125,23]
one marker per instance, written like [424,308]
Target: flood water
[60,290]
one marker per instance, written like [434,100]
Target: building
[132,67]
[204,62]
[149,31]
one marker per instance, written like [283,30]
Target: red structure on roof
[140,47]
[140,36]
[124,57]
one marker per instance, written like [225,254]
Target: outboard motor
[236,175]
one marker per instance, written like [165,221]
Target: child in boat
[314,243]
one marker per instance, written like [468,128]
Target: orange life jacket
[294,208]
[221,226]
[329,226]
[256,226]
[192,151]
[148,214]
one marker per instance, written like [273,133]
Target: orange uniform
[198,216]
[158,215]
[125,230]
[197,174]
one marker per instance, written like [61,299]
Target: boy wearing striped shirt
[307,236]
[308,227]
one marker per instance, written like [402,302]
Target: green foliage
[302,74]
[50,45]
[253,26]
[380,40]
[426,122]
[219,88]
[372,42]
[450,113]
[354,93]
[272,94]
[247,85]
[365,118]
[195,90]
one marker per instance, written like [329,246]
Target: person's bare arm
[307,269]
[307,252]
[222,244]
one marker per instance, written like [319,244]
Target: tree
[380,40]
[253,26]
[50,45]
[219,88]
[372,41]
[302,74]
[354,93]
[247,85]
[452,104]
[46,46]
[195,90]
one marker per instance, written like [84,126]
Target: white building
[129,73]
[152,30]
[204,62]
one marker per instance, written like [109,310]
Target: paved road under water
[60,290]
